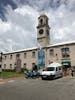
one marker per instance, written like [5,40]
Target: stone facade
[62,53]
[9,62]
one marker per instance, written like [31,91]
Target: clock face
[41,31]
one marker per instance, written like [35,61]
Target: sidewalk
[9,79]
[69,76]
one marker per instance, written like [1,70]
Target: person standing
[72,73]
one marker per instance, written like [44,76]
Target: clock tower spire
[43,36]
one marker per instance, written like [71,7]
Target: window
[56,69]
[47,32]
[65,52]
[59,68]
[10,56]
[51,52]
[25,55]
[25,65]
[33,64]
[0,59]
[11,66]
[50,69]
[41,21]
[15,65]
[33,54]
[5,57]
[4,66]
[18,55]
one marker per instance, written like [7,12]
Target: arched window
[33,54]
[25,55]
[41,21]
[51,52]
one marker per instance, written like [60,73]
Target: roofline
[61,44]
[35,48]
[23,50]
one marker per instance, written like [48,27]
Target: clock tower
[43,36]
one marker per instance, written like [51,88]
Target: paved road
[36,89]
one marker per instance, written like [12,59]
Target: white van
[54,70]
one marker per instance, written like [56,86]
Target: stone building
[63,53]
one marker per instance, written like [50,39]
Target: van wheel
[54,77]
[42,78]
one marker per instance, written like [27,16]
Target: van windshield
[50,69]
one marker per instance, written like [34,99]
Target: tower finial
[43,12]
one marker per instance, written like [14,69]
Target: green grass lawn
[6,74]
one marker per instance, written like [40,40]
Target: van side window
[59,68]
[56,69]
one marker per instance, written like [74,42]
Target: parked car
[52,71]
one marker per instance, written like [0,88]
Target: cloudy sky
[18,21]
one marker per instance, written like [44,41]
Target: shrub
[24,69]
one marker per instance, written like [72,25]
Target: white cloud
[4,26]
[26,10]
[20,31]
[62,24]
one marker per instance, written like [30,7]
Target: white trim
[58,44]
